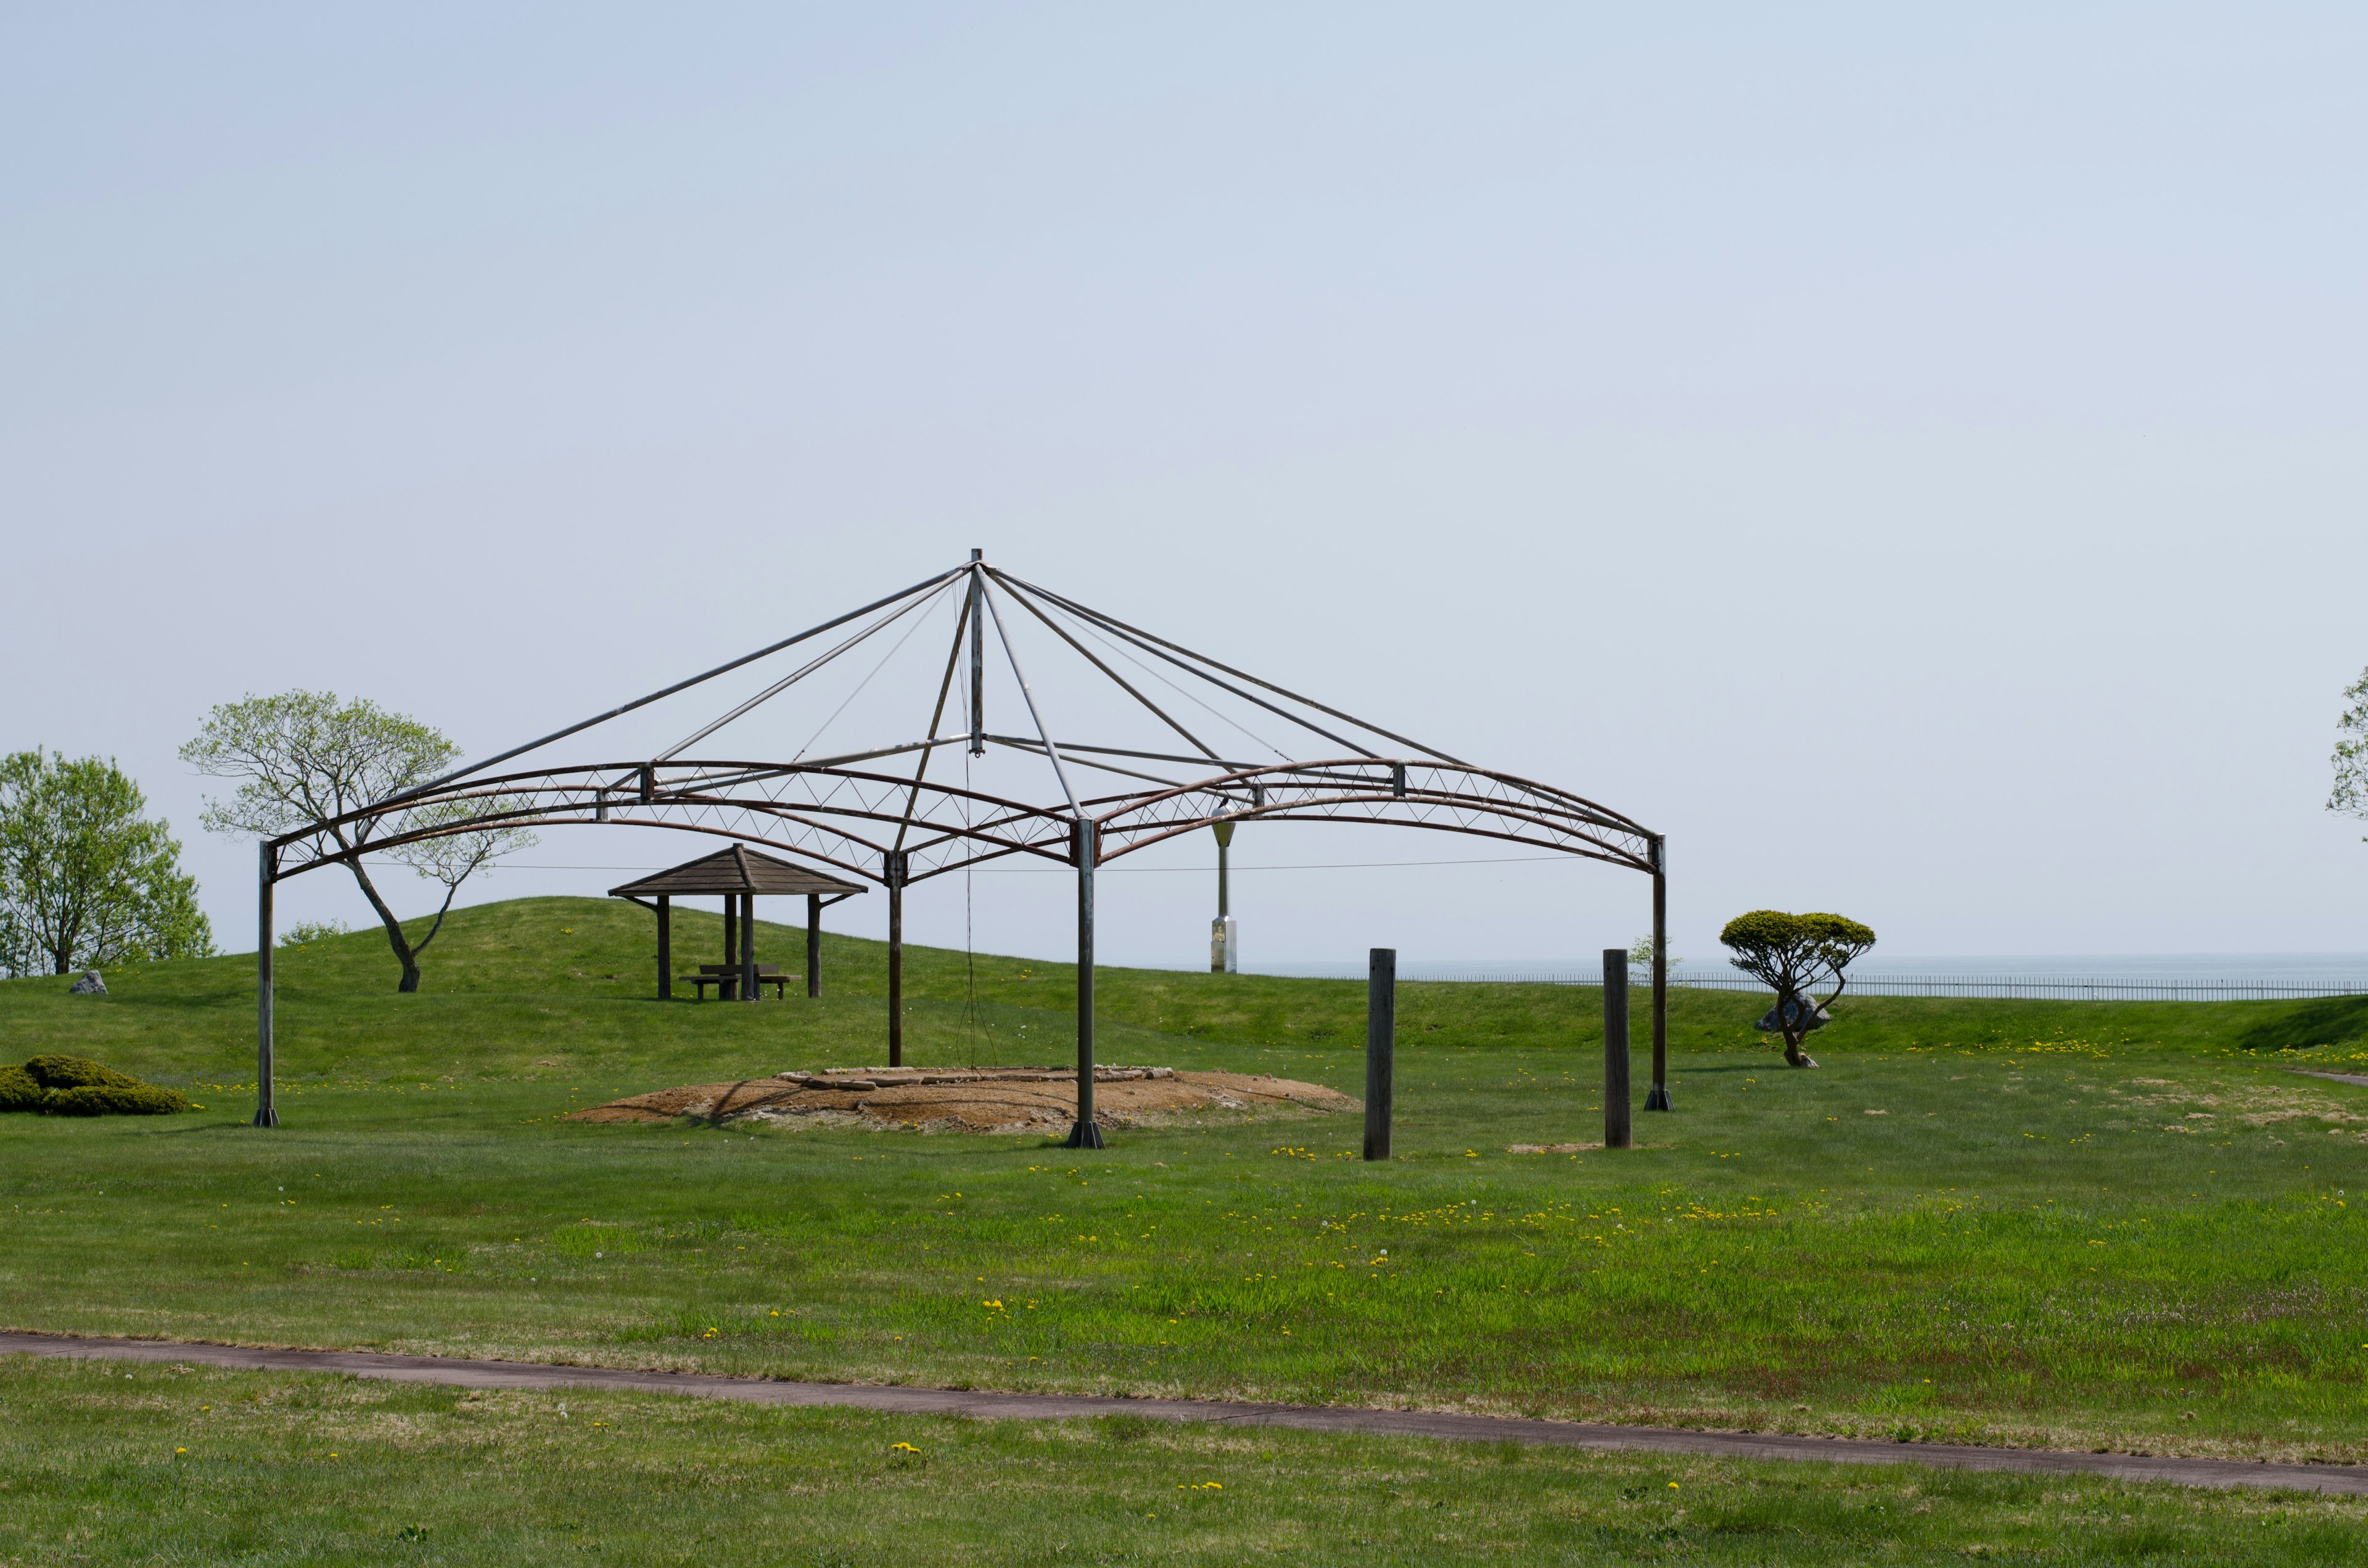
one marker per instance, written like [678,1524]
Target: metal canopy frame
[862,813]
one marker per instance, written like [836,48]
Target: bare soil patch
[982,1099]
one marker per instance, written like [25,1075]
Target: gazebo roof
[736,869]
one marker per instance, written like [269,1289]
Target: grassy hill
[533,986]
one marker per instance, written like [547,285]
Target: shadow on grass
[2328,1020]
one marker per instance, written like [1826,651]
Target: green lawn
[189,1465]
[2091,1225]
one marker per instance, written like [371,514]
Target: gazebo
[739,875]
[1155,740]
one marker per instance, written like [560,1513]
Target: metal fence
[2010,987]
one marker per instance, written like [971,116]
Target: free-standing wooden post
[1615,1048]
[265,1113]
[1085,1135]
[1657,1096]
[665,949]
[814,944]
[748,947]
[895,958]
[1380,1049]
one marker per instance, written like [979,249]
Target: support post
[1086,850]
[731,940]
[895,958]
[265,1113]
[1657,1098]
[814,944]
[665,949]
[748,947]
[1615,1048]
[1380,1049]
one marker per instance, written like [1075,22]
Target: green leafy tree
[1791,953]
[2351,757]
[87,879]
[307,756]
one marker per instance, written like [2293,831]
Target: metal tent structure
[1172,740]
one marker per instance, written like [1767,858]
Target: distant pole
[265,1113]
[895,958]
[1615,1048]
[814,944]
[665,949]
[1380,1049]
[748,947]
[1657,1098]
[1085,1135]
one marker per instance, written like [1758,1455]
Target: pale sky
[1914,460]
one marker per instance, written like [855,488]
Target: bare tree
[306,757]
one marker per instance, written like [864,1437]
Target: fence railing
[2031,988]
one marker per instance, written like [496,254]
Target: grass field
[2089,1225]
[198,1466]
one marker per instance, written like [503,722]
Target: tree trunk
[405,953]
[1803,1008]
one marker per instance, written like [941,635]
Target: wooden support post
[265,1113]
[814,944]
[1615,1048]
[731,941]
[665,949]
[1657,1098]
[1380,1049]
[895,958]
[1086,850]
[748,947]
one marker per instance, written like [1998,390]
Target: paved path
[2339,1077]
[2351,1480]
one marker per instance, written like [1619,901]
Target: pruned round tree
[1792,954]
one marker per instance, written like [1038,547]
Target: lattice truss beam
[879,814]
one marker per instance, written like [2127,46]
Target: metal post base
[1085,1135]
[1656,1098]
[268,1116]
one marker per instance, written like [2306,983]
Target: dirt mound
[985,1100]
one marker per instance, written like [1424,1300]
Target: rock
[1818,1017]
[88,986]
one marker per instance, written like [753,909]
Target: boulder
[1818,1016]
[88,986]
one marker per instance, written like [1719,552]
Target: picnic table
[725,977]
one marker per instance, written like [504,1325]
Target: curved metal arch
[808,811]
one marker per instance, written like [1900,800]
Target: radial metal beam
[622,709]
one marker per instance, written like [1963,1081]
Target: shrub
[78,1073]
[131,1098]
[19,1090]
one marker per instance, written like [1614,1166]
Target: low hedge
[19,1090]
[113,1099]
[78,1072]
[75,1085]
